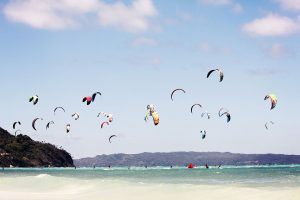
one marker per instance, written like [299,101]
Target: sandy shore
[59,188]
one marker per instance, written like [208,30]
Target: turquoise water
[248,175]
[159,183]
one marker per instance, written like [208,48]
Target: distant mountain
[183,158]
[22,151]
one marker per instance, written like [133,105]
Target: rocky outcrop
[22,151]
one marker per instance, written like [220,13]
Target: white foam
[42,176]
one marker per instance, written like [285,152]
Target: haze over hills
[22,151]
[183,158]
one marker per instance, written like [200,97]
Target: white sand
[44,187]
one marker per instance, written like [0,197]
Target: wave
[43,176]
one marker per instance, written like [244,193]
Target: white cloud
[272,25]
[63,14]
[144,41]
[48,14]
[132,18]
[236,7]
[292,5]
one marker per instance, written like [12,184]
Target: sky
[136,53]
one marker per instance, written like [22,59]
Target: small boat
[190,166]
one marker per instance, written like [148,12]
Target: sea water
[155,183]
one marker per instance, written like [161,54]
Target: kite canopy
[155,117]
[75,115]
[101,113]
[207,114]
[48,124]
[59,108]
[203,134]
[273,99]
[227,115]
[94,95]
[146,118]
[34,99]
[151,108]
[90,99]
[15,123]
[222,111]
[221,75]
[173,92]
[196,104]
[267,124]
[111,138]
[109,117]
[68,127]
[34,121]
[152,112]
[87,99]
[103,123]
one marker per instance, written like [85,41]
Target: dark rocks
[22,151]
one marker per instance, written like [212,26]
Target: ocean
[280,182]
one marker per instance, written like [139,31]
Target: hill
[22,151]
[182,158]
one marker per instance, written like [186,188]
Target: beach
[281,182]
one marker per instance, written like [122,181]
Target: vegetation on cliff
[22,151]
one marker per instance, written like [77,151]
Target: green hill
[183,158]
[22,151]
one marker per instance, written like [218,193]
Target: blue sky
[135,53]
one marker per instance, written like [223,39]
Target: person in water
[206,166]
